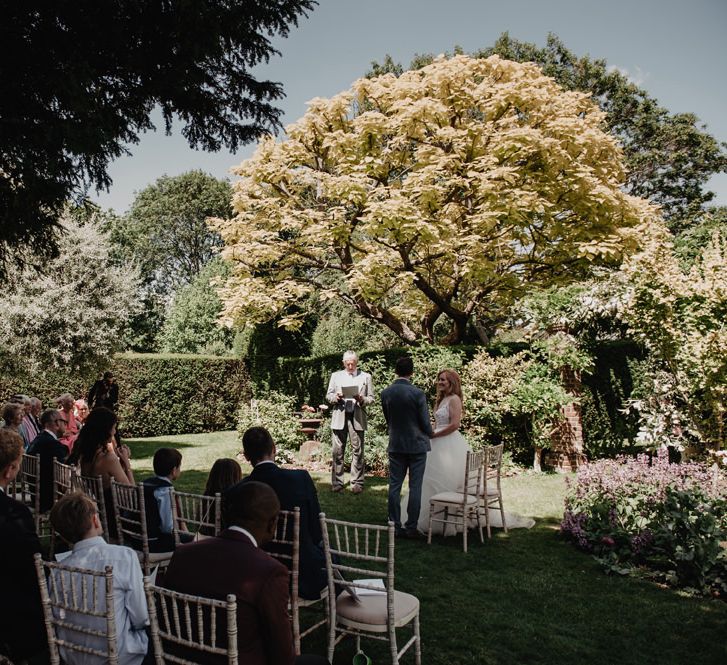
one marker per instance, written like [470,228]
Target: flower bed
[645,516]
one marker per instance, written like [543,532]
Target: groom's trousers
[399,463]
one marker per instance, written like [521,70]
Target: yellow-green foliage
[439,194]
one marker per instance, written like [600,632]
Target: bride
[446,461]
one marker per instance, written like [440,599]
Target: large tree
[165,230]
[81,79]
[669,157]
[440,194]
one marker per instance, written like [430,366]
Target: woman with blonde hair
[446,460]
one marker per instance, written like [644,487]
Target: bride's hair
[455,384]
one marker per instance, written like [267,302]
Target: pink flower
[608,541]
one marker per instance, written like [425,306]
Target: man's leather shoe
[356,489]
[337,488]
[409,534]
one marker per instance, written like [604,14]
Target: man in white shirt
[75,517]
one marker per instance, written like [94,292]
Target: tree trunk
[536,459]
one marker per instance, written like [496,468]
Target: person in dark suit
[105,392]
[22,632]
[294,487]
[48,447]
[407,417]
[234,563]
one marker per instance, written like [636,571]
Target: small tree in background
[68,319]
[680,317]
[165,234]
[192,324]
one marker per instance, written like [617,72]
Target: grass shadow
[144,448]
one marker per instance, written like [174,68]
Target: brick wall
[566,448]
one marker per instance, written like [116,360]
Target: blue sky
[676,50]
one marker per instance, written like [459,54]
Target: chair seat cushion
[453,497]
[370,613]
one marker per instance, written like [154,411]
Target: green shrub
[276,413]
[176,394]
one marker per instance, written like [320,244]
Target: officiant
[349,391]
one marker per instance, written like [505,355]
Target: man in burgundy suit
[234,563]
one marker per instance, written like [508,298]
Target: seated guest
[80,410]
[65,404]
[158,500]
[13,414]
[30,427]
[95,451]
[294,487]
[225,472]
[48,447]
[75,518]
[234,563]
[22,634]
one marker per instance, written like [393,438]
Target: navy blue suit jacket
[48,448]
[407,417]
[295,487]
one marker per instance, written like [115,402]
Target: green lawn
[526,597]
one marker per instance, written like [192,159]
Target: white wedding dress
[445,473]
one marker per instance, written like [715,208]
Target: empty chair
[459,509]
[491,494]
[378,610]
[198,512]
[62,474]
[26,487]
[130,516]
[286,548]
[189,629]
[93,486]
[78,611]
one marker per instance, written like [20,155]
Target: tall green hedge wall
[178,394]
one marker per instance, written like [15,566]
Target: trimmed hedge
[608,431]
[161,394]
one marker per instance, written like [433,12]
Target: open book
[377,583]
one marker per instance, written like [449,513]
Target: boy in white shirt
[75,518]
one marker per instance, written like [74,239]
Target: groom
[407,417]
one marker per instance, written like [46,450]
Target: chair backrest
[130,516]
[198,512]
[285,546]
[78,611]
[189,629]
[492,465]
[26,486]
[473,472]
[62,479]
[364,550]
[93,487]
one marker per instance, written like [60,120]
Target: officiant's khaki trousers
[357,454]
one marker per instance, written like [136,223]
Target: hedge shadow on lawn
[141,449]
